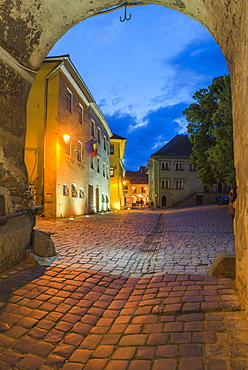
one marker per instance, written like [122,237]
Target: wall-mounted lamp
[66,138]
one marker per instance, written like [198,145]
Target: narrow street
[143,243]
[126,290]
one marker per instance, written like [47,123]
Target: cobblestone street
[127,290]
[129,243]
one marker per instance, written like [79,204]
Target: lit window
[134,190]
[112,149]
[99,135]
[80,151]
[80,114]
[111,171]
[143,190]
[69,100]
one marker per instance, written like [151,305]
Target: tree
[211,131]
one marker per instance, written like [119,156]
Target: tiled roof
[179,146]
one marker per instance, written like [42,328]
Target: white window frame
[80,114]
[69,100]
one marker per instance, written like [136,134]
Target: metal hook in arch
[125,14]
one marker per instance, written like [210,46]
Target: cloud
[160,142]
[182,125]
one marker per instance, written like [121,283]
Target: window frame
[69,100]
[80,114]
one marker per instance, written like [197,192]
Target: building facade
[172,179]
[136,188]
[117,171]
[60,111]
[99,164]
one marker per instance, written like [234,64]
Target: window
[179,166]
[92,128]
[69,100]
[80,114]
[105,143]
[107,172]
[98,164]
[92,163]
[79,151]
[191,167]
[99,135]
[111,172]
[112,148]
[68,148]
[108,151]
[165,165]
[179,183]
[143,190]
[104,169]
[165,184]
[134,190]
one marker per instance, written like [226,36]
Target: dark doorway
[199,199]
[163,201]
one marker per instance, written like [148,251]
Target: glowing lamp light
[66,138]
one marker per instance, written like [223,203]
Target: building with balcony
[117,171]
[66,177]
[172,178]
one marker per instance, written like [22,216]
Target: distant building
[172,178]
[136,188]
[117,171]
[64,178]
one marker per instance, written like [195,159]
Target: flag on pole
[91,147]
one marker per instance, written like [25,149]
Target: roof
[179,146]
[136,177]
[117,137]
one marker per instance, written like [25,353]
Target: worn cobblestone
[103,304]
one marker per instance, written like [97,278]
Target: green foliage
[211,131]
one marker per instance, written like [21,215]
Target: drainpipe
[45,127]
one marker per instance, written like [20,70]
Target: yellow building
[117,171]
[136,188]
[58,166]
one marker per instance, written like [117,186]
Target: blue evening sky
[143,72]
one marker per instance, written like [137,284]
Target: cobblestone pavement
[143,243]
[69,316]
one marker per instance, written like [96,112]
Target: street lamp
[66,138]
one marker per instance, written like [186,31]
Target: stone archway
[27,33]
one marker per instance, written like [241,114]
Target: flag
[91,147]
